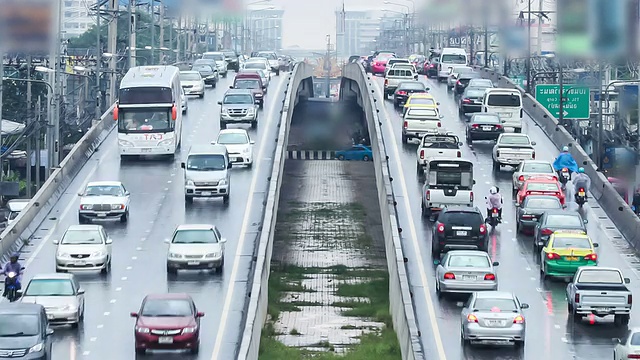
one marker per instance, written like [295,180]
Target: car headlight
[36,348]
[224,110]
[98,254]
[125,143]
[69,308]
[117,206]
[246,150]
[214,254]
[86,207]
[175,256]
[166,142]
[222,182]
[63,255]
[189,330]
[190,183]
[251,111]
[142,330]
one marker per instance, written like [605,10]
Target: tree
[14,97]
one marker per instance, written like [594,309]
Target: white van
[450,57]
[15,206]
[206,173]
[507,103]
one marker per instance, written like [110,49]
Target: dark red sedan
[167,322]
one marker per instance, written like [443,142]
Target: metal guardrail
[611,202]
[401,303]
[20,231]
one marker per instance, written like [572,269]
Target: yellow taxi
[421,101]
[565,252]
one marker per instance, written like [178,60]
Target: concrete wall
[299,88]
[610,201]
[355,81]
[20,231]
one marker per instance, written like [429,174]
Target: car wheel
[194,350]
[365,158]
[105,270]
[519,344]
[188,199]
[140,351]
[201,95]
[172,271]
[404,139]
[438,292]
[496,166]
[254,124]
[225,199]
[58,270]
[223,125]
[340,157]
[124,217]
[250,165]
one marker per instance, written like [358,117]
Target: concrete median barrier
[20,231]
[611,202]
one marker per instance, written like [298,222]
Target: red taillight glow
[495,211]
[439,124]
[428,195]
[459,154]
[581,190]
[576,298]
[471,196]
[440,228]
[458,82]
[498,126]
[472,318]
[546,232]
[555,178]
[521,178]
[553,256]
[449,276]
[630,299]
[386,82]
[405,125]
[475,126]
[466,101]
[490,277]
[533,155]
[591,257]
[483,229]
[402,92]
[421,154]
[633,356]
[518,319]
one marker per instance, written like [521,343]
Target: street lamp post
[406,23]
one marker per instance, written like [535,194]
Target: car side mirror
[56,241]
[533,143]
[18,293]
[49,332]
[595,245]
[436,262]
[496,263]
[441,117]
[230,86]
[474,182]
[428,90]
[223,240]
[438,103]
[199,314]
[127,193]
[252,142]
[264,88]
[460,143]
[182,165]
[109,241]
[80,291]
[80,194]
[627,280]
[167,241]
[219,102]
[585,221]
[133,314]
[229,165]
[616,341]
[524,306]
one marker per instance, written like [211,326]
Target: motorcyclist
[494,201]
[636,201]
[12,266]
[565,160]
[581,180]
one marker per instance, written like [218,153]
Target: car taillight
[630,299]
[405,124]
[402,93]
[518,319]
[533,156]
[458,82]
[576,298]
[521,178]
[386,82]
[459,154]
[546,232]
[471,196]
[498,127]
[553,256]
[490,277]
[439,124]
[555,178]
[428,195]
[581,190]
[591,257]
[528,193]
[472,318]
[475,126]
[449,276]
[440,228]
[483,229]
[466,101]
[633,356]
[527,216]
[421,154]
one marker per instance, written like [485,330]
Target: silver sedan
[465,271]
[493,317]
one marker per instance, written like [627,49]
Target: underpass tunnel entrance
[327,123]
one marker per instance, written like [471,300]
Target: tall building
[356,31]
[75,17]
[392,33]
[265,29]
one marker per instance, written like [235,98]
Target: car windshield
[216,57]
[414,85]
[202,68]
[247,84]
[50,287]
[600,277]
[462,218]
[81,237]
[440,142]
[422,101]
[19,325]
[255,65]
[206,163]
[190,77]
[514,140]
[495,305]
[385,56]
[504,100]
[474,93]
[468,261]
[104,190]
[635,339]
[537,186]
[544,203]
[486,119]
[238,99]
[571,242]
[564,220]
[268,55]
[232,139]
[481,83]
[540,168]
[201,236]
[166,308]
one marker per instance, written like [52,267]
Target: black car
[459,227]
[554,220]
[25,332]
[484,126]
[367,63]
[431,68]
[480,83]
[532,209]
[207,70]
[405,89]
[471,100]
[463,81]
[232,60]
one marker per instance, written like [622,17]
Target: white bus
[148,111]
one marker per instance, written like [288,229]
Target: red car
[540,185]
[167,322]
[379,64]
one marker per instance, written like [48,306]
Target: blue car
[357,152]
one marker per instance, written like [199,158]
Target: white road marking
[100,326]
[129,267]
[113,301]
[134,258]
[93,339]
[86,353]
[273,112]
[412,229]
[118,289]
[106,313]
[123,278]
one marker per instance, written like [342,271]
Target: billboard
[27,26]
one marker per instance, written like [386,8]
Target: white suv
[238,144]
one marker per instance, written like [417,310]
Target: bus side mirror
[115,113]
[174,112]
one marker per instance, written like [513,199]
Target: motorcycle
[565,175]
[494,218]
[11,285]
[581,196]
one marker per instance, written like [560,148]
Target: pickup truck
[417,123]
[443,145]
[600,291]
[395,77]
[512,149]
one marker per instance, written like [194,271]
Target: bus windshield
[145,95]
[144,120]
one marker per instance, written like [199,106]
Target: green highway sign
[518,80]
[576,100]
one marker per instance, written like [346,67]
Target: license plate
[206,193]
[494,214]
[81,263]
[193,263]
[461,233]
[468,277]
[581,193]
[102,215]
[487,128]
[603,309]
[165,340]
[504,115]
[145,150]
[494,323]
[572,258]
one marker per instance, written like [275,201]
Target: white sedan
[238,144]
[104,200]
[84,247]
[192,83]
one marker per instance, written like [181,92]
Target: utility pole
[38,144]
[178,36]
[129,32]
[486,34]
[161,21]
[561,90]
[528,64]
[113,36]
[327,62]
[132,37]
[539,44]
[98,65]
[29,140]
[598,150]
[153,32]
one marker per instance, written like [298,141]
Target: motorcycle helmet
[565,149]
[493,190]
[581,170]
[14,257]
